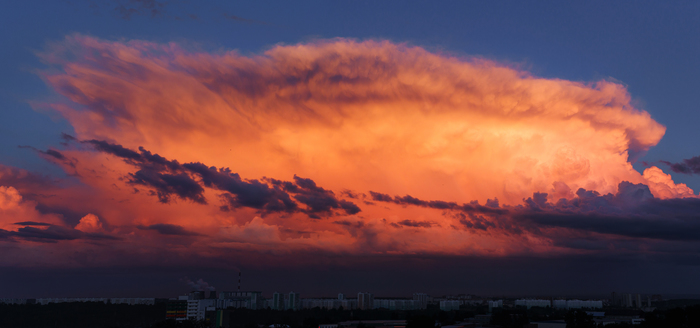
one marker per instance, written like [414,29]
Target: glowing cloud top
[339,146]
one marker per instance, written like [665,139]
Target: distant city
[211,306]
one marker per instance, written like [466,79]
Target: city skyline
[531,149]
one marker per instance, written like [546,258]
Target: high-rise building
[293,301]
[341,296]
[365,301]
[495,304]
[176,309]
[397,304]
[247,300]
[196,308]
[639,301]
[627,300]
[277,301]
[422,298]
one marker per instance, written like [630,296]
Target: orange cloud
[358,114]
[89,223]
[315,127]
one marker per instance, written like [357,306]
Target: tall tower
[277,301]
[365,301]
[293,301]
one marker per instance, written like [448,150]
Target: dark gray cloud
[186,181]
[165,184]
[317,199]
[633,212]
[688,166]
[438,204]
[169,229]
[53,155]
[52,233]
[478,222]
[243,193]
[114,149]
[32,223]
[413,224]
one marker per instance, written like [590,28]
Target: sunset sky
[540,148]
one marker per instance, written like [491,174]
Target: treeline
[520,317]
[679,317]
[100,315]
[688,317]
[311,318]
[81,315]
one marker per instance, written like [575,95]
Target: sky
[538,148]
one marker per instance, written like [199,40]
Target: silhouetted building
[293,301]
[578,304]
[241,300]
[627,300]
[422,298]
[176,309]
[533,303]
[365,301]
[197,308]
[277,301]
[449,305]
[397,304]
[495,304]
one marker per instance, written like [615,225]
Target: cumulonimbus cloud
[357,114]
[347,146]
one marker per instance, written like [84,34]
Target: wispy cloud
[687,166]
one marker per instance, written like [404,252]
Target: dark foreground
[97,315]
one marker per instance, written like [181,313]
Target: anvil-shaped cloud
[304,148]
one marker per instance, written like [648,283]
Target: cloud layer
[335,147]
